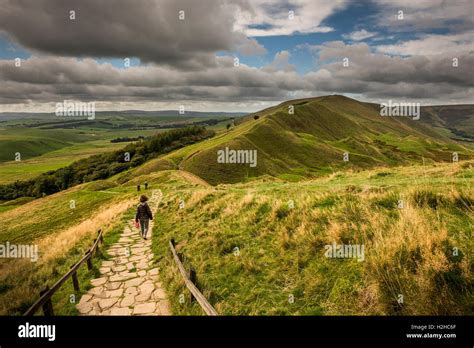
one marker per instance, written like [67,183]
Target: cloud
[371,74]
[359,35]
[179,62]
[149,30]
[280,62]
[377,75]
[249,47]
[46,79]
[432,44]
[272,17]
[454,15]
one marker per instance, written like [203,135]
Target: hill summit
[313,137]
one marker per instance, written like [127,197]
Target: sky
[235,55]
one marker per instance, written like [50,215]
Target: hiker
[138,187]
[143,215]
[146,185]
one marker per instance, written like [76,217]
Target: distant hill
[456,121]
[312,141]
[162,113]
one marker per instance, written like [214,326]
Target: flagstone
[144,308]
[114,293]
[133,290]
[120,311]
[107,303]
[98,281]
[164,308]
[133,282]
[121,292]
[119,268]
[127,301]
[159,294]
[113,285]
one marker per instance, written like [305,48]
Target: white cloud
[425,14]
[359,35]
[280,62]
[432,44]
[272,17]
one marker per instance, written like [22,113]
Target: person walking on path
[143,215]
[146,185]
[138,187]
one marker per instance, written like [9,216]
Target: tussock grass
[62,235]
[22,279]
[421,252]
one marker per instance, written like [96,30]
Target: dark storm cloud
[45,79]
[183,65]
[149,30]
[365,65]
[54,78]
[379,75]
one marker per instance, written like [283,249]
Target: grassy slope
[35,142]
[281,249]
[408,251]
[29,168]
[460,117]
[43,150]
[62,235]
[312,142]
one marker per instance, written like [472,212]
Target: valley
[332,173]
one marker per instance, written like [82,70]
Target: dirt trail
[129,285]
[192,178]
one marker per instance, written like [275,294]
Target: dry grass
[408,251]
[26,274]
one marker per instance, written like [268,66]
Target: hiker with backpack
[143,215]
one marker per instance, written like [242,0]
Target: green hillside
[408,250]
[455,121]
[33,142]
[256,245]
[311,142]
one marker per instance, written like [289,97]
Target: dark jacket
[143,212]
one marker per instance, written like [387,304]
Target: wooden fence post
[89,261]
[75,281]
[97,250]
[192,278]
[48,305]
[94,248]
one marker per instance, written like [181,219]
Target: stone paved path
[128,285]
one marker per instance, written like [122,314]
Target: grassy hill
[253,250]
[280,245]
[62,232]
[47,142]
[455,121]
[33,142]
[311,142]
[257,236]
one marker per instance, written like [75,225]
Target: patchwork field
[44,144]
